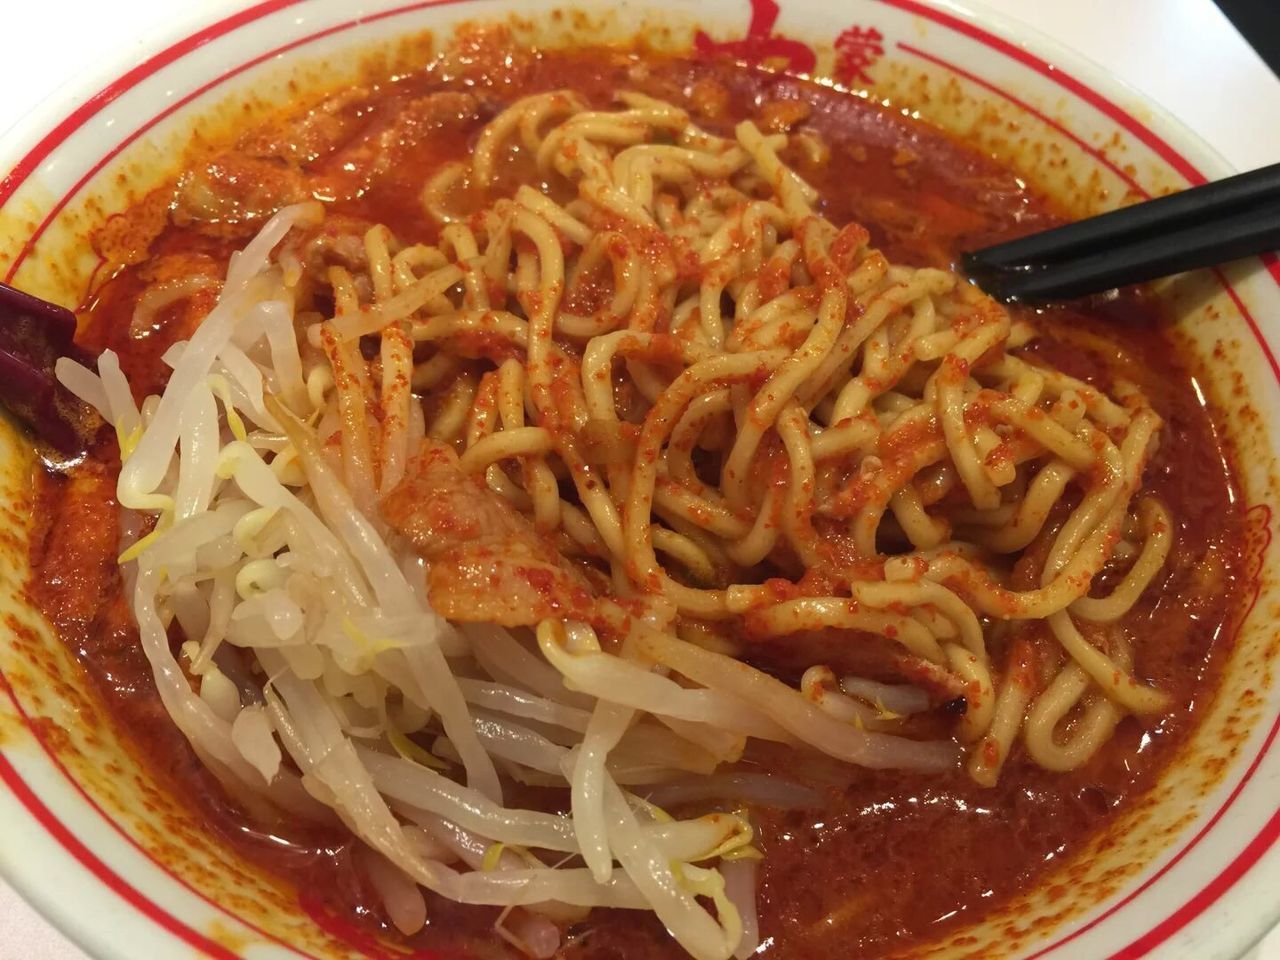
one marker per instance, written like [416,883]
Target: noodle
[614,429]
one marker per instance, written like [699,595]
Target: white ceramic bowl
[1192,871]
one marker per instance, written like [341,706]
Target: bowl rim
[37,136]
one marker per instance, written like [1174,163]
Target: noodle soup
[569,498]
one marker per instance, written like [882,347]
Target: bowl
[88,836]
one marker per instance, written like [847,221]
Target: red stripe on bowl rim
[60,832]
[1063,79]
[10,182]
[1024,106]
[1209,894]
[113,880]
[1272,263]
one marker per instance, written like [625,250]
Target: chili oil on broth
[891,859]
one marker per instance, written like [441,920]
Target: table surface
[1184,54]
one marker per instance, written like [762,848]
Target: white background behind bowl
[1183,54]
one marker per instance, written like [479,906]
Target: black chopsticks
[1201,227]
